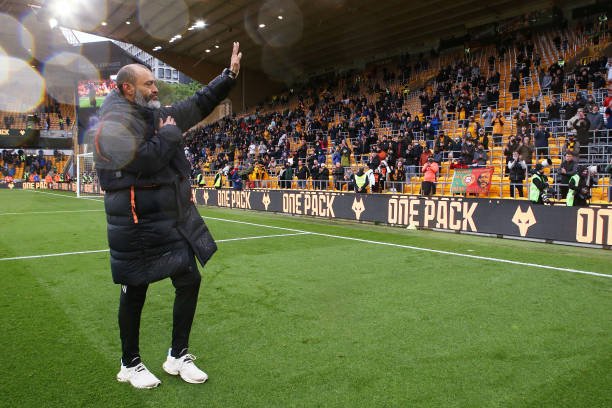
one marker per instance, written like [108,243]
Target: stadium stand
[387,107]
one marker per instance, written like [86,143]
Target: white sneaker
[139,376]
[185,367]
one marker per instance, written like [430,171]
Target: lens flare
[63,71]
[278,65]
[15,38]
[281,32]
[162,19]
[79,15]
[21,86]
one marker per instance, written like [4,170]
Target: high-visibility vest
[534,191]
[199,178]
[571,194]
[218,180]
[360,181]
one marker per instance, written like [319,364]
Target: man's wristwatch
[228,72]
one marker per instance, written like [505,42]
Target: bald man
[154,229]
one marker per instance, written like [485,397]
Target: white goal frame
[86,178]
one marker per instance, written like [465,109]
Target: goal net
[86,178]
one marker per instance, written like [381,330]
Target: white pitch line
[415,248]
[49,212]
[17,258]
[262,236]
[100,200]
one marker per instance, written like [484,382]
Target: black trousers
[131,302]
[428,188]
[518,186]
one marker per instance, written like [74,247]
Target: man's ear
[128,89]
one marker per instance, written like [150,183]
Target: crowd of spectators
[325,123]
[48,116]
[37,166]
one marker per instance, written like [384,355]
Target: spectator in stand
[320,154]
[488,121]
[480,156]
[609,117]
[398,177]
[413,155]
[595,119]
[567,169]
[303,173]
[514,87]
[323,176]
[374,161]
[482,138]
[441,144]
[513,145]
[467,151]
[430,171]
[581,125]
[540,138]
[473,127]
[498,129]
[533,105]
[236,179]
[609,171]
[314,174]
[525,150]
[338,176]
[517,172]
[554,113]
[522,121]
[286,175]
[345,154]
[572,145]
[336,157]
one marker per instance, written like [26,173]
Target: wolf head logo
[358,207]
[205,196]
[266,200]
[523,220]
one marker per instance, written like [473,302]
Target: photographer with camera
[580,185]
[517,169]
[539,188]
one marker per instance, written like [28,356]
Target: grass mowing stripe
[415,248]
[95,251]
[437,251]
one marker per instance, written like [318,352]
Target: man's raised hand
[235,61]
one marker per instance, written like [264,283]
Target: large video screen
[92,93]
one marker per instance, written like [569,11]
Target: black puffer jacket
[153,225]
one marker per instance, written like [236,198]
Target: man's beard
[142,101]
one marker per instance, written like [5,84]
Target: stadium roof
[282,38]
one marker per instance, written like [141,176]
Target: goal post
[87,184]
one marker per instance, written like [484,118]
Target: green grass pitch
[307,314]
[84,101]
